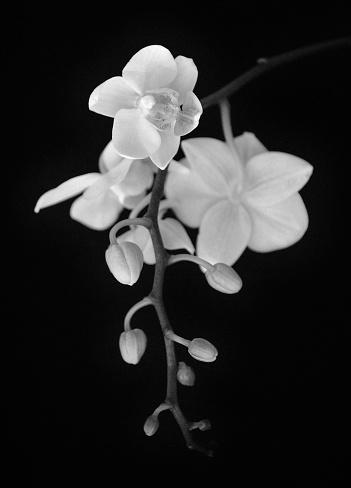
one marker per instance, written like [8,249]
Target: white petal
[109,158]
[174,236]
[66,190]
[248,146]
[111,96]
[186,78]
[278,226]
[190,196]
[189,117]
[213,161]
[109,179]
[167,150]
[139,178]
[272,177]
[133,136]
[224,233]
[99,214]
[151,67]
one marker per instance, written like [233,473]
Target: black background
[276,395]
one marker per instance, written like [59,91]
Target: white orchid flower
[247,198]
[145,104]
[122,183]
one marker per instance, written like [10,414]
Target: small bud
[185,374]
[151,425]
[202,350]
[224,279]
[125,261]
[132,344]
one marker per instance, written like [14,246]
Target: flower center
[160,107]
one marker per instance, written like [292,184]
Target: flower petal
[111,96]
[248,146]
[133,136]
[189,117]
[109,158]
[167,150]
[138,179]
[109,179]
[224,233]
[189,195]
[151,67]
[278,226]
[174,236]
[186,78]
[213,161]
[66,190]
[99,213]
[273,177]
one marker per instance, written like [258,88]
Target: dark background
[276,395]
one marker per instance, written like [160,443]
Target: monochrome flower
[239,199]
[145,103]
[121,183]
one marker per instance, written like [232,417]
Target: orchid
[236,192]
[145,104]
[121,183]
[239,196]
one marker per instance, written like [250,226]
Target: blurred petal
[131,201]
[273,177]
[174,236]
[111,96]
[167,150]
[66,190]
[189,117]
[139,177]
[224,233]
[109,158]
[109,179]
[278,226]
[190,196]
[151,67]
[186,78]
[133,136]
[248,146]
[213,161]
[99,213]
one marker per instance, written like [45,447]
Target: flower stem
[264,65]
[123,223]
[145,301]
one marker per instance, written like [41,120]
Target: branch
[264,65]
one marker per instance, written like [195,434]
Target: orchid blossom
[145,104]
[240,195]
[121,183]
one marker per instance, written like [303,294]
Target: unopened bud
[224,279]
[125,261]
[185,374]
[151,425]
[132,344]
[202,350]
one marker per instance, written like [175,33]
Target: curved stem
[145,301]
[123,223]
[265,65]
[176,258]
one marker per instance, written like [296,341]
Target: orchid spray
[236,192]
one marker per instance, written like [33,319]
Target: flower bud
[224,279]
[132,344]
[125,261]
[151,425]
[185,374]
[202,350]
